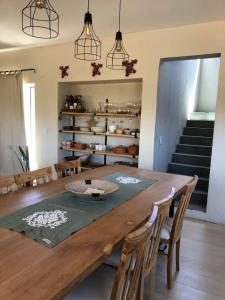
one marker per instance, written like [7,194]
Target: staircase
[193,157]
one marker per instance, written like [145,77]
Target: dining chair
[34,178]
[68,168]
[150,267]
[127,282]
[6,184]
[171,233]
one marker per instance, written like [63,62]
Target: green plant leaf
[28,159]
[22,153]
[19,159]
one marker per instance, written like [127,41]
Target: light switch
[160,140]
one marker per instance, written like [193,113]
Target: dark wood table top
[30,271]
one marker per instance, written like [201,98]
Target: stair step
[196,140]
[203,184]
[194,149]
[197,131]
[190,159]
[198,201]
[191,170]
[202,124]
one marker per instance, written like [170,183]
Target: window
[29,119]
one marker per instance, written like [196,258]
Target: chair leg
[170,267]
[150,279]
[178,255]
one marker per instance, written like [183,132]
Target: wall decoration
[96,69]
[129,66]
[64,71]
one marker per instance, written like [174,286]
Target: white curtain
[12,130]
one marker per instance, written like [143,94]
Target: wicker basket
[133,150]
[80,146]
[120,149]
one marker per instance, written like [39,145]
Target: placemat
[53,220]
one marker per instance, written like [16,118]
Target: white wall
[176,99]
[208,85]
[148,47]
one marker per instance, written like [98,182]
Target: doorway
[186,105]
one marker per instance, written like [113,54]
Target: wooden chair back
[129,280]
[163,209]
[181,209]
[68,168]
[34,178]
[6,184]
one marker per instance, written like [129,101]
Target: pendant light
[40,20]
[118,53]
[88,45]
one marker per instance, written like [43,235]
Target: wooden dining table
[31,271]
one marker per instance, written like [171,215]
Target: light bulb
[40,3]
[87,30]
[118,45]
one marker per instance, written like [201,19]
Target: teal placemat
[53,220]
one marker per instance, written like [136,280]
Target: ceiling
[137,15]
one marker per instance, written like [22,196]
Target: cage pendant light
[40,20]
[88,45]
[117,54]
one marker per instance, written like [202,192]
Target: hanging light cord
[88,5]
[119,14]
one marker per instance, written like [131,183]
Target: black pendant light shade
[88,45]
[117,54]
[40,20]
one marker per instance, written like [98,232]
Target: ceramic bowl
[84,129]
[119,131]
[127,131]
[112,128]
[98,129]
[89,189]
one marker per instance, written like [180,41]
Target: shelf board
[77,150]
[100,134]
[91,166]
[77,132]
[108,153]
[118,135]
[117,115]
[72,113]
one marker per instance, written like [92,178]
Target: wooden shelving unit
[106,115]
